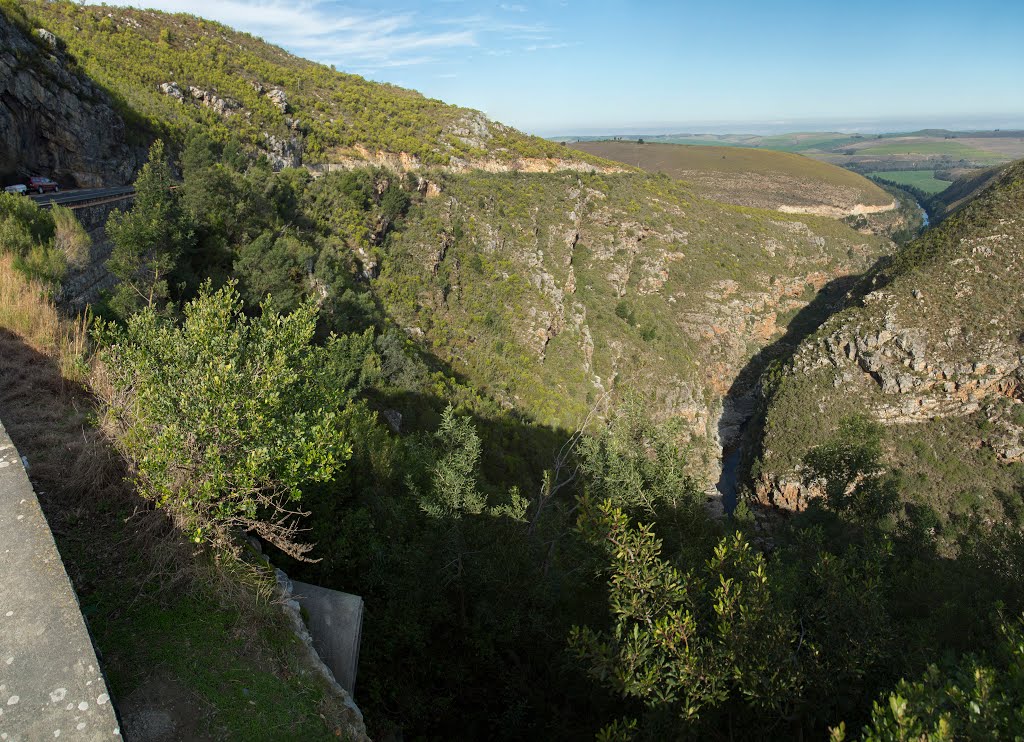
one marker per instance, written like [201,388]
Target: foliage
[689,641]
[148,239]
[848,469]
[225,418]
[453,489]
[70,237]
[976,700]
[43,242]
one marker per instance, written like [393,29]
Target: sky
[554,67]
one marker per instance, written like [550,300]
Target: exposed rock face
[171,89]
[283,152]
[940,340]
[223,106]
[279,98]
[54,122]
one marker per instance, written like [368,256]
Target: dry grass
[27,311]
[150,595]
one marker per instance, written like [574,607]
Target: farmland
[922,179]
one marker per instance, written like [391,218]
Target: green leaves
[979,699]
[225,418]
[688,642]
[148,239]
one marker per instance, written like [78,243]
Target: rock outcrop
[54,121]
[935,353]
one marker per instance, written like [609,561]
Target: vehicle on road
[42,185]
[18,188]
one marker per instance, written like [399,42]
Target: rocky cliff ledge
[935,354]
[53,120]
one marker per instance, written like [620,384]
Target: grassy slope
[732,174]
[968,310]
[131,52]
[962,190]
[546,290]
[172,635]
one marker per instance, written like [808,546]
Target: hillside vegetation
[491,403]
[552,291]
[173,74]
[933,352]
[749,177]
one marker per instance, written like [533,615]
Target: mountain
[546,291]
[961,191]
[174,74]
[933,350]
[551,291]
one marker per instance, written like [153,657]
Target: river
[727,482]
[924,216]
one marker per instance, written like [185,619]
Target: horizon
[562,68]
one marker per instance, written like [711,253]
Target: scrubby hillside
[175,73]
[752,177]
[549,291]
[935,352]
[961,191]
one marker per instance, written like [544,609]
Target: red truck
[42,185]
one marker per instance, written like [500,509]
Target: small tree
[224,418]
[148,239]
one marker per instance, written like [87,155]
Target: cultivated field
[923,179]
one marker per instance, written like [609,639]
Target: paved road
[67,198]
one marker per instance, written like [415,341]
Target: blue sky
[569,66]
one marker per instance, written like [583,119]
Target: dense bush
[225,418]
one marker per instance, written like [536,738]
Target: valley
[695,437]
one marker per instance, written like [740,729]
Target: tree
[148,239]
[688,643]
[225,418]
[979,699]
[848,471]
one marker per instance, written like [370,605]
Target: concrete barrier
[51,685]
[335,622]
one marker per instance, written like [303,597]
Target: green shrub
[225,418]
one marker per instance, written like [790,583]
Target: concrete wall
[94,216]
[51,685]
[335,622]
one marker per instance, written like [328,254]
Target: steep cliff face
[53,120]
[936,354]
[188,74]
[552,291]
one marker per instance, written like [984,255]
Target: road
[69,198]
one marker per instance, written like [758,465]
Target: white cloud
[307,28]
[557,45]
[513,8]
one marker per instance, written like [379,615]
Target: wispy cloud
[317,31]
[554,45]
[512,8]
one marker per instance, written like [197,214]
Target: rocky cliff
[551,291]
[54,121]
[935,352]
